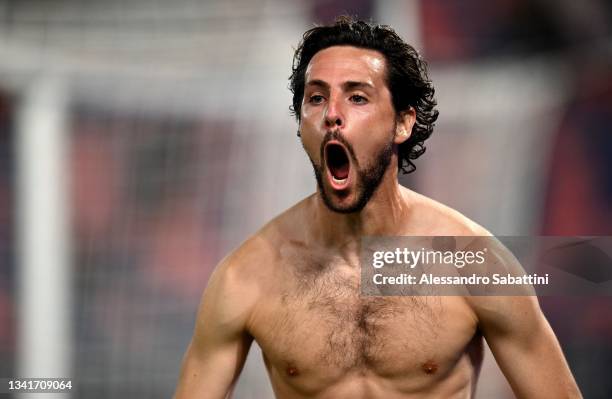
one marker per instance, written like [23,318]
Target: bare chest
[320,326]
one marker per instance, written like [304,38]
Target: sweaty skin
[294,286]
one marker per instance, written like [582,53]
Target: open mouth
[338,165]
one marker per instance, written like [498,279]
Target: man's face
[348,124]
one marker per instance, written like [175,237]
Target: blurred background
[140,141]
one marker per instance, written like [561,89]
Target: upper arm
[220,341]
[526,348]
[523,342]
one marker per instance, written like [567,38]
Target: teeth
[339,181]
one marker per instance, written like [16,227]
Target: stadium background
[140,141]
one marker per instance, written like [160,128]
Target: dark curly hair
[406,75]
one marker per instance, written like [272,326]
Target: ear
[405,122]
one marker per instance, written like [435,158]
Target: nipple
[429,367]
[292,371]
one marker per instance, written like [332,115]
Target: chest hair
[356,330]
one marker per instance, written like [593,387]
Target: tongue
[340,172]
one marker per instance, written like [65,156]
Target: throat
[385,214]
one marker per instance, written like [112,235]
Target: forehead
[347,63]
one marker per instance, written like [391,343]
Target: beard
[368,178]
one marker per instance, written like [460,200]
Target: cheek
[366,151]
[377,122]
[374,134]
[311,116]
[306,112]
[311,140]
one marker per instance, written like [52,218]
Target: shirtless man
[364,106]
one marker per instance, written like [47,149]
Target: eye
[357,99]
[316,99]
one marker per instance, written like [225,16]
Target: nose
[333,115]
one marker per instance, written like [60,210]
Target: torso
[321,338]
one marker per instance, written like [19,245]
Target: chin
[350,203]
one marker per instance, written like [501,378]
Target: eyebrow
[348,85]
[357,85]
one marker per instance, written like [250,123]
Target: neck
[383,215]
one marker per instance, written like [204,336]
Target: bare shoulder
[232,292]
[246,271]
[237,284]
[242,273]
[434,218]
